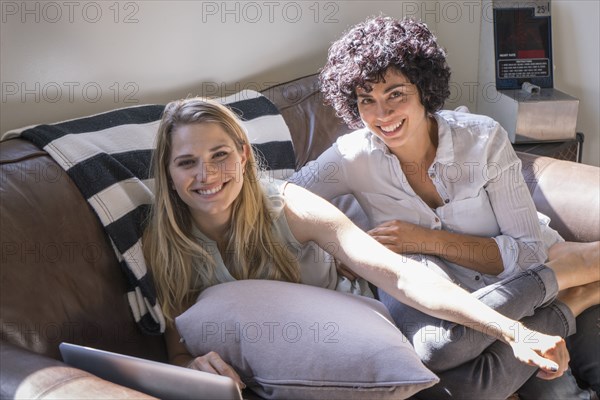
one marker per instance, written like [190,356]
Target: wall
[576,40]
[457,26]
[64,59]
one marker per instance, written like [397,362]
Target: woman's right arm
[210,362]
[312,218]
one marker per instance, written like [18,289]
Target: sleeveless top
[317,267]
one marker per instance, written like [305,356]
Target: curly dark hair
[364,53]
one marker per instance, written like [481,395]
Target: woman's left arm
[312,218]
[520,242]
[475,252]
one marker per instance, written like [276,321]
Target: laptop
[157,379]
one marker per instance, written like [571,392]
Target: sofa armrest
[568,193]
[27,375]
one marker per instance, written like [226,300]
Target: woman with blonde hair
[214,220]
[248,243]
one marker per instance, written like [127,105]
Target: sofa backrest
[568,193]
[313,125]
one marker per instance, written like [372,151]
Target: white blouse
[477,174]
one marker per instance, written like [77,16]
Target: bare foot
[580,298]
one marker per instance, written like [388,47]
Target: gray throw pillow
[292,341]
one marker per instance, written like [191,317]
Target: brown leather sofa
[60,280]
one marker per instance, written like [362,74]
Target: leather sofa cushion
[60,278]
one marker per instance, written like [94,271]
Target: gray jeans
[473,365]
[584,347]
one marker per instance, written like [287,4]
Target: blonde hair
[175,257]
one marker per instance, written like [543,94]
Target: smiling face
[206,168]
[392,110]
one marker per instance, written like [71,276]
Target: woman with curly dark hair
[364,55]
[445,188]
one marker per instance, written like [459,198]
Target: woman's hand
[400,237]
[549,353]
[214,364]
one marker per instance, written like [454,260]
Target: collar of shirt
[445,150]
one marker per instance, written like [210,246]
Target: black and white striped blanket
[108,157]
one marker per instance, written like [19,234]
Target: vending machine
[516,73]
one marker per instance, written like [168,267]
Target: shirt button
[447,201]
[477,278]
[437,219]
[432,175]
